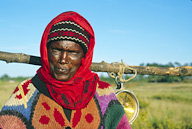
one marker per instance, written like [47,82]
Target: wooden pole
[103,66]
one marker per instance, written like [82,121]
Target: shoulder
[105,95]
[112,111]
[104,88]
[23,94]
[17,108]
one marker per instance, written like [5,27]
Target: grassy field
[162,105]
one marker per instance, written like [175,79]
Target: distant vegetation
[6,77]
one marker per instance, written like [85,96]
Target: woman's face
[64,59]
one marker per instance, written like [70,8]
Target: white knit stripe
[69,22]
[67,29]
[66,37]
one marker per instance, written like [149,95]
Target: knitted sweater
[31,106]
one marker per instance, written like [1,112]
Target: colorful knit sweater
[30,106]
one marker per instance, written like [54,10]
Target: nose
[64,57]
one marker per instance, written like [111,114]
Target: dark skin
[64,59]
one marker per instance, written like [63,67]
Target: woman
[64,93]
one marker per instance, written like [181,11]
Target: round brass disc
[130,104]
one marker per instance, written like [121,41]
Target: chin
[61,78]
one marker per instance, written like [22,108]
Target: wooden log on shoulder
[143,70]
[104,67]
[19,58]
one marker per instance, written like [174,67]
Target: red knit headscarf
[78,91]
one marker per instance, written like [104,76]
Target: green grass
[162,105]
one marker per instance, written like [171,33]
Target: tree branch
[104,67]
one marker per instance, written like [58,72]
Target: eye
[55,51]
[73,52]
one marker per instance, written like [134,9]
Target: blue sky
[136,31]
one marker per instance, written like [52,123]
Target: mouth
[61,70]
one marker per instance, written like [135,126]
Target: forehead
[66,44]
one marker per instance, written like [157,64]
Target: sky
[135,31]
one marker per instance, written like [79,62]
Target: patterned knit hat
[69,30]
